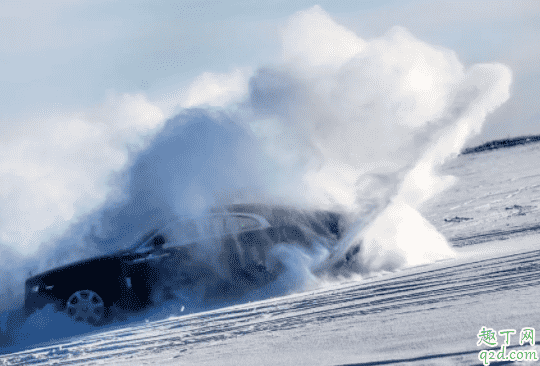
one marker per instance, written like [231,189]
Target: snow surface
[427,315]
[498,192]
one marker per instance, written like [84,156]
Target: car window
[144,238]
[242,223]
[186,230]
[247,223]
[180,232]
[190,231]
[211,226]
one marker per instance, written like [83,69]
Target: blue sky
[66,55]
[84,84]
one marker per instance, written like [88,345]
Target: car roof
[148,237]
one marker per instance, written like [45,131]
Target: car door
[141,269]
[249,233]
[177,259]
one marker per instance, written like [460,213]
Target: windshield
[178,231]
[184,230]
[144,239]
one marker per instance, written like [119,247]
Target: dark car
[221,254]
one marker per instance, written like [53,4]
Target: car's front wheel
[86,306]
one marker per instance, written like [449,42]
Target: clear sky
[60,56]
[83,83]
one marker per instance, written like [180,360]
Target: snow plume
[216,90]
[363,125]
[57,166]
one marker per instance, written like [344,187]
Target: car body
[222,254]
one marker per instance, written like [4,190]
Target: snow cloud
[60,165]
[311,38]
[344,123]
[217,90]
[363,125]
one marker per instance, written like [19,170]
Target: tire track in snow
[417,290]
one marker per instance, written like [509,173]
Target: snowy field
[427,315]
[120,117]
[497,196]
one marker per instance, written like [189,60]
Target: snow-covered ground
[428,315]
[498,194]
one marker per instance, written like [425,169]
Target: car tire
[86,306]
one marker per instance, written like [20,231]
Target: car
[219,255]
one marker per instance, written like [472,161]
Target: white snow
[421,315]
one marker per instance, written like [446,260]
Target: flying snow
[341,123]
[363,125]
